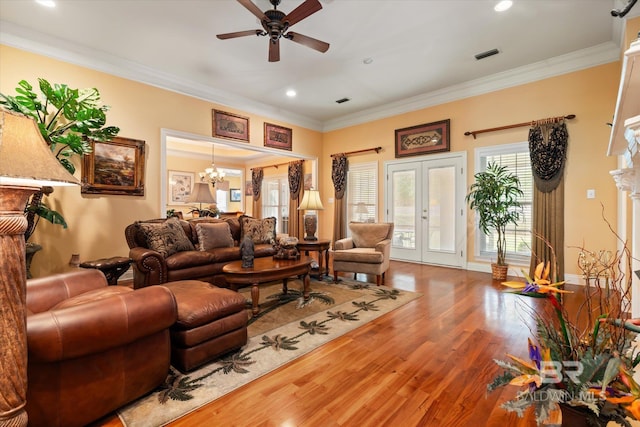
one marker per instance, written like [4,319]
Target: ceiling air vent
[487,54]
[340,101]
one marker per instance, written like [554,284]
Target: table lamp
[311,202]
[201,194]
[26,164]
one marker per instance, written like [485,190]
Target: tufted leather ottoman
[211,321]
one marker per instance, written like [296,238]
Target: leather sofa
[93,348]
[151,267]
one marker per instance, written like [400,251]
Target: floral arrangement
[585,360]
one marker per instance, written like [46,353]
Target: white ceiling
[422,50]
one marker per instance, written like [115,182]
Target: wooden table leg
[255,297]
[306,280]
[326,261]
[284,285]
[320,264]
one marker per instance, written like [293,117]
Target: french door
[425,201]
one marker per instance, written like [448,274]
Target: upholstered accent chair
[367,250]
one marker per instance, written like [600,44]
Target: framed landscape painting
[423,139]
[228,125]
[114,167]
[277,137]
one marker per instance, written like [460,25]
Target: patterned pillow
[260,230]
[167,237]
[214,235]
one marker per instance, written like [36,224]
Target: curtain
[548,150]
[296,189]
[256,181]
[339,167]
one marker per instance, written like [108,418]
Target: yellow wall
[589,94]
[96,223]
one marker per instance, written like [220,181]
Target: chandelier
[212,174]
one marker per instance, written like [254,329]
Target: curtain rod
[273,166]
[376,149]
[531,123]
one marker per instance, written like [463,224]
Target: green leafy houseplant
[494,196]
[68,118]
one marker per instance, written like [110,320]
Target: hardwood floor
[425,364]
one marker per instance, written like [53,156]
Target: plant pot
[579,417]
[499,272]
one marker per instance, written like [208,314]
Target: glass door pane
[442,206]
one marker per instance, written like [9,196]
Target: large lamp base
[310,227]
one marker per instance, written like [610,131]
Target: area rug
[286,329]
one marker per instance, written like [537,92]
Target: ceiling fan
[276,25]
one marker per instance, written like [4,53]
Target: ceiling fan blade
[251,7]
[307,8]
[308,41]
[239,34]
[274,50]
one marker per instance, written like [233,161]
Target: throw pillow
[167,237]
[366,235]
[260,230]
[214,235]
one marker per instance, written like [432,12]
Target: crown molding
[32,41]
[574,61]
[19,37]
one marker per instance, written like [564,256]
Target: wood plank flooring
[425,364]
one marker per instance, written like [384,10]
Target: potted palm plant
[68,118]
[495,197]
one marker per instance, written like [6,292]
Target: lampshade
[25,157]
[311,201]
[201,194]
[361,208]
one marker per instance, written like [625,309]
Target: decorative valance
[339,167]
[295,178]
[548,152]
[256,180]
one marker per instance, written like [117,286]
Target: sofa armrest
[149,267]
[342,244]
[98,325]
[45,292]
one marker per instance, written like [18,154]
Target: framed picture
[232,126]
[235,194]
[277,137]
[248,188]
[423,139]
[180,186]
[114,167]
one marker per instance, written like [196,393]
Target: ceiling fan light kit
[276,25]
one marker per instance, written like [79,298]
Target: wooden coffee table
[267,270]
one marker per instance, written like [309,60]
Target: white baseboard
[514,271]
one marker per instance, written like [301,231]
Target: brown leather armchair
[91,347]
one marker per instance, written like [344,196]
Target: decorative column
[13,328]
[628,179]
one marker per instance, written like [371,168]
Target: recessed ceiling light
[46,3]
[503,5]
[291,93]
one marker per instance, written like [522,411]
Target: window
[362,192]
[516,158]
[221,200]
[275,201]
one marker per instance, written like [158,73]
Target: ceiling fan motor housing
[274,25]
